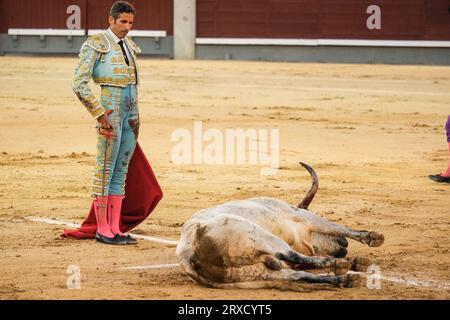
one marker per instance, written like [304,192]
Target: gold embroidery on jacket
[121,82]
[80,81]
[116,60]
[120,71]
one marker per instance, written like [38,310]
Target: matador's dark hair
[121,7]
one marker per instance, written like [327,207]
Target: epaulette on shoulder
[98,42]
[133,45]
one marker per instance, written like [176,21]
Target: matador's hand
[104,121]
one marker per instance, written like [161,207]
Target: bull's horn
[312,190]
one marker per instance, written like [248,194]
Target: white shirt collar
[113,36]
[117,39]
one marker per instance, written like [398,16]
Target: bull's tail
[312,190]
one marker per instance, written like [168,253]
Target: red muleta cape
[142,192]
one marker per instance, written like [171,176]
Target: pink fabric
[446,173]
[114,211]
[447,128]
[101,216]
[142,194]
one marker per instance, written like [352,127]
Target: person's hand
[104,121]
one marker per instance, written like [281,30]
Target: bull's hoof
[373,239]
[342,241]
[339,253]
[360,264]
[337,266]
[350,280]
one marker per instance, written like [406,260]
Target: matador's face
[122,25]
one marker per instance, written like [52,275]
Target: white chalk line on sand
[400,279]
[395,279]
[408,281]
[75,225]
[152,266]
[419,282]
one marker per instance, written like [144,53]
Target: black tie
[124,53]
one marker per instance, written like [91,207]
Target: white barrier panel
[136,33]
[70,32]
[45,32]
[324,42]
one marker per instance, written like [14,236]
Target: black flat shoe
[128,239]
[117,240]
[439,178]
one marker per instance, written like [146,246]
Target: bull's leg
[298,261]
[326,245]
[321,225]
[348,280]
[267,245]
[338,266]
[360,264]
[252,277]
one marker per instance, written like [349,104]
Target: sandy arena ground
[372,132]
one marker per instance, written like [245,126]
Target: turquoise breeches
[114,153]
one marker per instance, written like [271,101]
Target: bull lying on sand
[267,243]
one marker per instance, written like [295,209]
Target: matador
[124,187]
